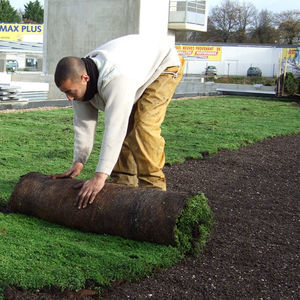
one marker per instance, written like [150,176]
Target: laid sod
[35,254]
[148,215]
[194,127]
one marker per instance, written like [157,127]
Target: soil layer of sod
[253,250]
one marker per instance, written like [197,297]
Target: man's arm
[120,96]
[85,122]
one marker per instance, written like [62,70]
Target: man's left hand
[90,189]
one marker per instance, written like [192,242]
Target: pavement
[34,95]
[25,104]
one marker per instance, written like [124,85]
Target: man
[132,79]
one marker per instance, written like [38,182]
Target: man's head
[71,77]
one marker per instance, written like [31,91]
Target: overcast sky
[21,3]
[272,5]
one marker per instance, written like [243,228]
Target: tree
[290,84]
[288,25]
[211,35]
[7,13]
[224,19]
[231,21]
[246,14]
[263,31]
[239,23]
[183,35]
[34,12]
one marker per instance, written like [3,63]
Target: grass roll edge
[193,225]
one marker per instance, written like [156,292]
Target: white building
[236,59]
[27,55]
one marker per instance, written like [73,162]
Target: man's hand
[74,171]
[90,189]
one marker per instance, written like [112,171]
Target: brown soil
[253,251]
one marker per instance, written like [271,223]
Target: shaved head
[69,67]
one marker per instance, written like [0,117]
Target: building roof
[22,47]
[216,44]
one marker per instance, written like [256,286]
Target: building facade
[234,60]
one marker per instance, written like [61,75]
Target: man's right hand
[74,171]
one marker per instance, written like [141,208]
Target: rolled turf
[150,215]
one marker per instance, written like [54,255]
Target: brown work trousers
[142,156]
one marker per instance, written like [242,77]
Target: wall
[20,57]
[5,78]
[74,27]
[153,17]
[237,59]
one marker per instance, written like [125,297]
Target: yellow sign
[201,52]
[19,32]
[289,52]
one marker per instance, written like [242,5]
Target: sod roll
[142,214]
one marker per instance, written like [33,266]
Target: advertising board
[21,32]
[210,53]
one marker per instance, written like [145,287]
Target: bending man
[132,79]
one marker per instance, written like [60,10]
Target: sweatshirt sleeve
[85,122]
[119,98]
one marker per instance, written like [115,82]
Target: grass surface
[34,253]
[193,127]
[37,254]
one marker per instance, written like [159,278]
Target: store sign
[289,52]
[291,56]
[210,53]
[19,32]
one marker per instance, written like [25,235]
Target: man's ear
[85,77]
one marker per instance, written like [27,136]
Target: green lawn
[34,253]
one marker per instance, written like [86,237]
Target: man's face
[75,89]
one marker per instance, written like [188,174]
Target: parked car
[254,71]
[11,65]
[211,71]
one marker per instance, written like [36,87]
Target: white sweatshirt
[127,66]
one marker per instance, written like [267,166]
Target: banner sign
[210,53]
[19,32]
[289,52]
[291,56]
